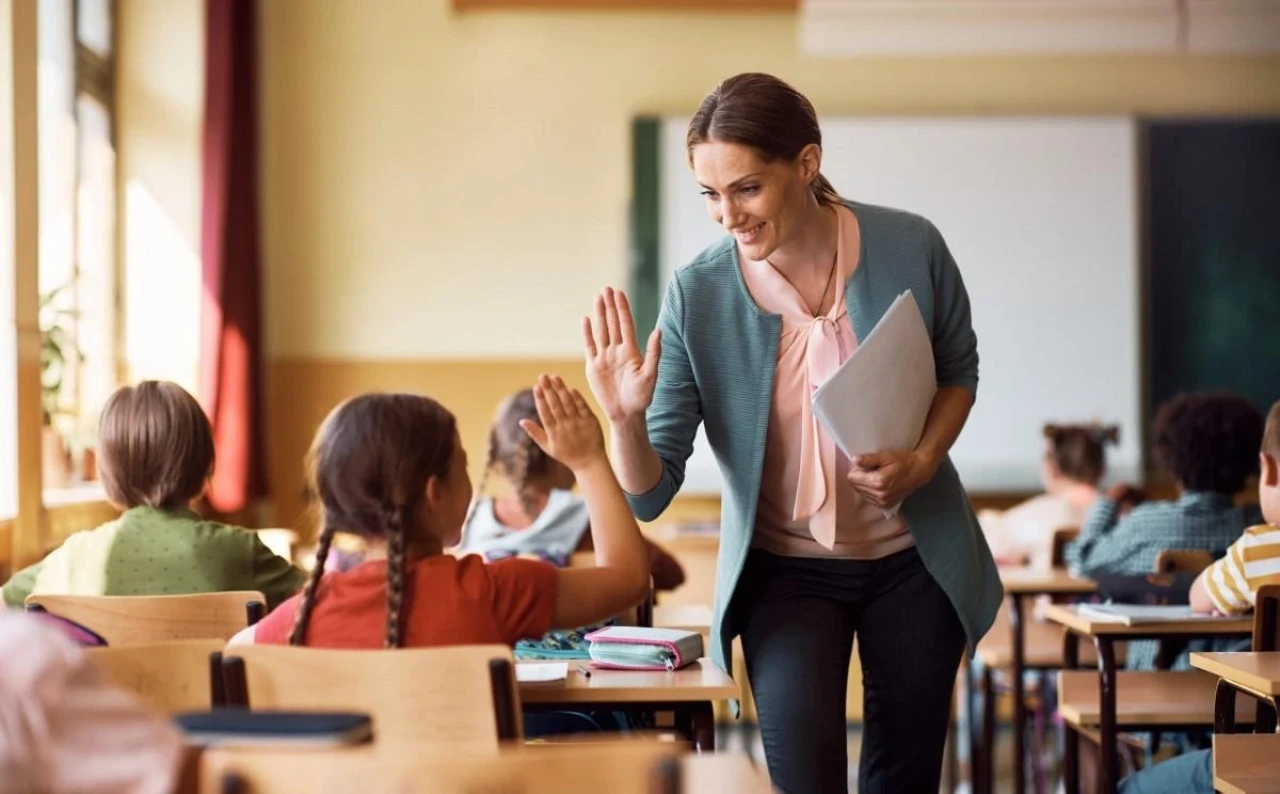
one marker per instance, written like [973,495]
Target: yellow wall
[444,185]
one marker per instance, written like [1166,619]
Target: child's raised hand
[566,429]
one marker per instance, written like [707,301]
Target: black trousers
[798,618]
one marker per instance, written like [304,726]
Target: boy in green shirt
[155,456]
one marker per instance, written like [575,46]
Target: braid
[302,615]
[394,523]
[526,457]
[482,485]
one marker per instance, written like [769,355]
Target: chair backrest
[1183,561]
[1266,619]
[136,620]
[624,767]
[168,676]
[1058,553]
[446,700]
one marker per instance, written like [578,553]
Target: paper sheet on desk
[880,398]
[534,672]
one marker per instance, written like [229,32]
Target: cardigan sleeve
[676,411]
[955,346]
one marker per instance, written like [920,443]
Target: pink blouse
[807,507]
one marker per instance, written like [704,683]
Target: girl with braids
[1075,460]
[539,516]
[391,468]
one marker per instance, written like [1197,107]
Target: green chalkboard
[1213,264]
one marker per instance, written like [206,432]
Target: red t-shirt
[448,601]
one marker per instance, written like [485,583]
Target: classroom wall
[444,194]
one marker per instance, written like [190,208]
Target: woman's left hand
[886,478]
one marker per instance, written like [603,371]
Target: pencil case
[639,648]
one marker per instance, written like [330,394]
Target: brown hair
[155,446]
[765,113]
[1271,436]
[1079,451]
[513,452]
[369,466]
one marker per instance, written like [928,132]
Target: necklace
[830,278]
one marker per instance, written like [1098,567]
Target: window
[78,275]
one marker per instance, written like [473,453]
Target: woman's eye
[709,194]
[750,190]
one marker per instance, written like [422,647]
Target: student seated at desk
[1074,462]
[1230,586]
[391,467]
[540,516]
[155,455]
[1209,443]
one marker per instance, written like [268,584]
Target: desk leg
[1109,766]
[988,731]
[971,724]
[1070,739]
[1267,714]
[702,725]
[1224,708]
[1019,697]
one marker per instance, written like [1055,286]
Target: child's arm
[570,433]
[20,586]
[1103,517]
[1223,587]
[273,575]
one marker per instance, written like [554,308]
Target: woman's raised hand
[621,379]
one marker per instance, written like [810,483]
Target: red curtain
[231,334]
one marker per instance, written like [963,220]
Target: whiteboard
[1041,214]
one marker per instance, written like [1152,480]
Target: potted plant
[58,350]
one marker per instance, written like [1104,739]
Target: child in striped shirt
[1229,586]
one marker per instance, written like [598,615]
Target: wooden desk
[688,693]
[1182,700]
[1105,634]
[1020,584]
[1255,674]
[1246,763]
[686,617]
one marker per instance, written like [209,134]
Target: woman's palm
[621,379]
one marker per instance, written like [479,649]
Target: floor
[739,737]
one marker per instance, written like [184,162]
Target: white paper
[880,398]
[1134,614]
[534,672]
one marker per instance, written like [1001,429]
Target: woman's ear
[810,162]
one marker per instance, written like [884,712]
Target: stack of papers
[1136,614]
[880,398]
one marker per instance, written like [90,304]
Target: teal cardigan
[719,351]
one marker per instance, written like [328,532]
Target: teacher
[808,560]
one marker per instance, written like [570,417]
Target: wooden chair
[1058,545]
[137,620]
[168,676]
[620,767]
[446,700]
[1183,561]
[1266,619]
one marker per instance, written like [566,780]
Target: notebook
[232,726]
[640,648]
[1139,614]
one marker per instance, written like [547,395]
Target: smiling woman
[808,557]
